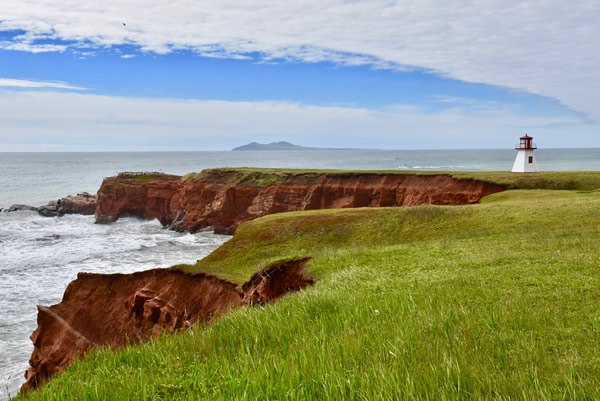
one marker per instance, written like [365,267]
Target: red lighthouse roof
[526,142]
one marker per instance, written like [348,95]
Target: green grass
[262,177]
[257,177]
[568,180]
[494,301]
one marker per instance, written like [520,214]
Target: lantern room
[526,142]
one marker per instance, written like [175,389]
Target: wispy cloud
[544,47]
[20,83]
[32,47]
[83,121]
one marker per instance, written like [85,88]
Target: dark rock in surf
[21,208]
[82,203]
[49,210]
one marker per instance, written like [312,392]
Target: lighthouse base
[525,162]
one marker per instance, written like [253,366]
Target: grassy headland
[494,301]
[262,177]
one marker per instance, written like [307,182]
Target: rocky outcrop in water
[82,203]
[118,309]
[222,199]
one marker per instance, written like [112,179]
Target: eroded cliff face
[118,309]
[222,203]
[125,195]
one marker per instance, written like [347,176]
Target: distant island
[281,145]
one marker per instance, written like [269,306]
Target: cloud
[32,48]
[541,46]
[20,83]
[75,121]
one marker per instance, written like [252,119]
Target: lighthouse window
[530,159]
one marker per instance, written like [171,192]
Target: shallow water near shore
[40,256]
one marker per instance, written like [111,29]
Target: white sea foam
[40,256]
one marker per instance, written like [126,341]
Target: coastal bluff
[114,310]
[221,199]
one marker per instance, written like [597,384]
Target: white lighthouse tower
[525,161]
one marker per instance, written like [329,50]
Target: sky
[153,75]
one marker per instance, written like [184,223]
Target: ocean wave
[40,256]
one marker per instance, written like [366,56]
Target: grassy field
[580,180]
[494,301]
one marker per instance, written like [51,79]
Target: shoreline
[157,191]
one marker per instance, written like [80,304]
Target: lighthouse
[525,161]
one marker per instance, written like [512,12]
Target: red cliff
[119,309]
[222,199]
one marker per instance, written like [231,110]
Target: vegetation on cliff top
[145,176]
[494,301]
[565,180]
[262,177]
[254,176]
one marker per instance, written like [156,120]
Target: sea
[39,256]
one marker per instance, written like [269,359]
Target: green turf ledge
[261,177]
[249,250]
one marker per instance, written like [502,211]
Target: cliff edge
[114,310]
[221,199]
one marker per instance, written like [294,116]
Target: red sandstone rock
[192,206]
[83,203]
[118,309]
[122,196]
